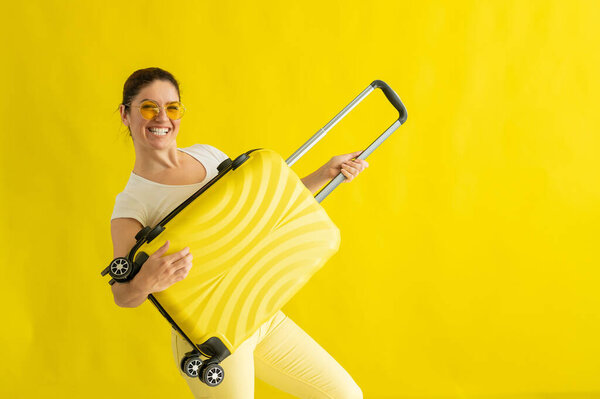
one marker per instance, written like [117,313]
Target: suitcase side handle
[392,98]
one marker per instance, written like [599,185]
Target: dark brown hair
[142,78]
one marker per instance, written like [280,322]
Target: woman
[279,353]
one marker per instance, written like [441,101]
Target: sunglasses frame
[164,107]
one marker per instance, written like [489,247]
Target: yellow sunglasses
[150,110]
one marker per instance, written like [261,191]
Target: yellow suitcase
[257,235]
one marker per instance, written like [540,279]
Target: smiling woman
[138,81]
[159,113]
[163,176]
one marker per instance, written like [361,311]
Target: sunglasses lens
[175,110]
[149,110]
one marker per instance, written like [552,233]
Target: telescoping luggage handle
[391,96]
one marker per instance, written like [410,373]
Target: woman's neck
[151,162]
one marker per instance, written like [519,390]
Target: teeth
[158,132]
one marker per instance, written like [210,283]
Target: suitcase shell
[257,235]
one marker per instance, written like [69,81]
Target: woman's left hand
[344,163]
[340,163]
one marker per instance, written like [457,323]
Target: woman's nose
[162,114]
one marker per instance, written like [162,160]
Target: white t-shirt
[149,202]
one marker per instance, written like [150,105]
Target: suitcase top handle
[392,98]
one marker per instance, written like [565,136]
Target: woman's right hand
[160,272]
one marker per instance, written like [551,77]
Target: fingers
[161,251]
[183,265]
[165,270]
[349,156]
[351,169]
[177,255]
[172,257]
[183,271]
[363,162]
[359,164]
[352,159]
[347,174]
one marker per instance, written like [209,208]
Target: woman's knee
[346,389]
[357,394]
[351,391]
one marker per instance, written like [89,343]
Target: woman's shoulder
[128,204]
[207,150]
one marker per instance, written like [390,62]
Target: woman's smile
[159,131]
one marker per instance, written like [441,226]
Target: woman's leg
[289,359]
[238,367]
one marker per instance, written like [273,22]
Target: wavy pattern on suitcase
[257,236]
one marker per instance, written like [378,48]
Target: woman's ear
[124,115]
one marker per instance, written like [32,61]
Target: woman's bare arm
[123,231]
[341,163]
[158,273]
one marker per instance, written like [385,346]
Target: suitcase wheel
[191,365]
[120,268]
[213,375]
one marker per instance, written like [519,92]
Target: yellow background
[469,259]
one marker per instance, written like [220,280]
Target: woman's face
[161,92]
